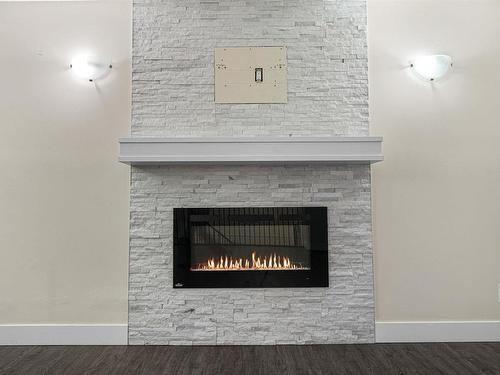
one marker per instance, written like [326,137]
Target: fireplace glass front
[250,247]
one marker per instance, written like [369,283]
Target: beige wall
[437,195]
[64,198]
[63,195]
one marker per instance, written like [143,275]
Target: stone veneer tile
[173,72]
[342,313]
[173,95]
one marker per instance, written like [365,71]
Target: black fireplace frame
[317,276]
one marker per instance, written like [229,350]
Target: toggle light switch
[259,76]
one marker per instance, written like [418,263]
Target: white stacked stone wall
[173,95]
[173,67]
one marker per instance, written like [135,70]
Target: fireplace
[250,247]
[188,151]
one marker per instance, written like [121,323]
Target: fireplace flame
[272,262]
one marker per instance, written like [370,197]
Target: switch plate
[250,75]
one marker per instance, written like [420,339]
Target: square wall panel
[250,75]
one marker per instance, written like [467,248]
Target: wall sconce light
[89,67]
[431,68]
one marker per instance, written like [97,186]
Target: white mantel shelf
[140,151]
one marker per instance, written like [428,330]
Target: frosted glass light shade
[431,68]
[89,67]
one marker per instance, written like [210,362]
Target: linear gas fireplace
[250,247]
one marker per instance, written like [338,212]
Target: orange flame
[271,262]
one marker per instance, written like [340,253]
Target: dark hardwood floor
[386,359]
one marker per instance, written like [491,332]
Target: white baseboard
[63,334]
[437,331]
[116,334]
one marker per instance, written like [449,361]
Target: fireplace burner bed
[250,247]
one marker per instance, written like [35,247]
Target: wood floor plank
[370,359]
[11,356]
[75,359]
[483,357]
[415,358]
